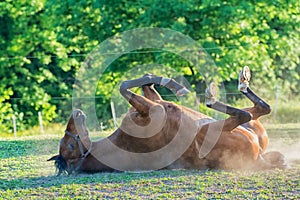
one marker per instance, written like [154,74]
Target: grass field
[25,174]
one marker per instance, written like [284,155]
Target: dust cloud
[289,147]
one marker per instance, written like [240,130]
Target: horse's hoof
[283,166]
[183,91]
[210,94]
[244,78]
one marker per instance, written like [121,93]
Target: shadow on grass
[131,178]
[97,178]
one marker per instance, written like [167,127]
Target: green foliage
[27,45]
[44,43]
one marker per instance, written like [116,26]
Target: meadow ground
[25,174]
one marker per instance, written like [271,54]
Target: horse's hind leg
[260,107]
[237,116]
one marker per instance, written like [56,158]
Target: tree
[29,52]
[43,44]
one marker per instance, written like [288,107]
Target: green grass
[159,184]
[25,174]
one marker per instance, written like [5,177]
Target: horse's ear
[56,157]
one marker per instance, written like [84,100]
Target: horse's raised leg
[237,116]
[230,150]
[150,93]
[260,107]
[240,117]
[143,104]
[149,79]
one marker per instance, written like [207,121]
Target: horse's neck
[93,163]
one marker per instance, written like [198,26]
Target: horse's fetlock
[263,107]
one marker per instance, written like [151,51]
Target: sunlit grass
[159,184]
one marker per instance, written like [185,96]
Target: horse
[157,134]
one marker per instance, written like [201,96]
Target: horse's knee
[123,87]
[244,116]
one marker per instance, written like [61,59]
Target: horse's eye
[71,146]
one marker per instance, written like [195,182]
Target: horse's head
[75,146]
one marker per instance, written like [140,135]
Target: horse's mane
[61,165]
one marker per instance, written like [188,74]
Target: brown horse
[157,134]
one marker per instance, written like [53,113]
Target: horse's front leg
[149,80]
[237,116]
[150,93]
[232,147]
[142,104]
